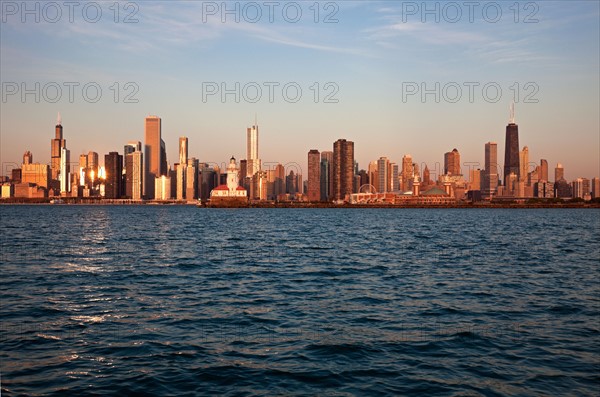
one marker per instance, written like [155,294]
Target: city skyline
[370,54]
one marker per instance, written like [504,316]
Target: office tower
[383,175]
[559,172]
[65,159]
[595,187]
[328,155]
[152,154]
[253,165]
[113,167]
[490,180]
[134,175]
[207,180]
[92,163]
[183,150]
[581,187]
[452,163]
[56,145]
[544,170]
[475,179]
[191,179]
[163,188]
[325,167]
[27,157]
[426,176]
[181,185]
[293,183]
[243,171]
[373,176]
[511,149]
[523,164]
[164,166]
[343,168]
[407,173]
[279,187]
[258,186]
[35,173]
[314,175]
[132,146]
[394,183]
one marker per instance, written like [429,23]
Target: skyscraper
[383,175]
[132,146]
[452,163]
[27,158]
[328,156]
[490,174]
[64,174]
[134,175]
[373,176]
[253,162]
[511,149]
[343,168]
[183,150]
[152,154]
[314,175]
[407,173]
[544,170]
[595,187]
[559,172]
[524,163]
[56,145]
[191,179]
[113,166]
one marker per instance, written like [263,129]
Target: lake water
[176,300]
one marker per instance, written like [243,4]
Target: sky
[394,77]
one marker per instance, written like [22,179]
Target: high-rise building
[343,169]
[314,175]
[407,174]
[490,180]
[544,170]
[373,176]
[183,150]
[474,179]
[36,173]
[581,187]
[559,172]
[524,164]
[595,187]
[383,175]
[64,175]
[452,163]
[134,175]
[511,149]
[113,166]
[27,158]
[243,172]
[56,145]
[191,179]
[163,188]
[394,182]
[328,155]
[132,146]
[152,154]
[426,176]
[253,165]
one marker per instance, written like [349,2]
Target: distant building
[490,174]
[64,175]
[407,173]
[343,169]
[327,179]
[162,188]
[595,187]
[27,157]
[113,166]
[562,189]
[36,173]
[524,164]
[134,175]
[56,146]
[152,154]
[559,172]
[314,175]
[511,149]
[544,170]
[581,187]
[253,161]
[383,175]
[191,180]
[452,163]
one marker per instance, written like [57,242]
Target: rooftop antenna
[512,112]
[58,119]
[255,121]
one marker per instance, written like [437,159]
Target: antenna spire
[255,121]
[58,119]
[512,112]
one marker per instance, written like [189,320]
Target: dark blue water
[186,301]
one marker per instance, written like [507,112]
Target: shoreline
[97,202]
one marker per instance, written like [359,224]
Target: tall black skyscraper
[511,150]
[113,164]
